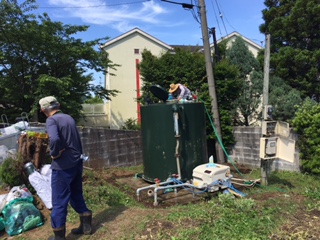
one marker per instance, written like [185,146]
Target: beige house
[252,46]
[126,50]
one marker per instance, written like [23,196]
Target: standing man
[67,166]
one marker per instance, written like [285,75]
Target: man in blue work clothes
[67,166]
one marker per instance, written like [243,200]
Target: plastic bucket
[29,168]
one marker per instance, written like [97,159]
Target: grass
[257,216]
[225,218]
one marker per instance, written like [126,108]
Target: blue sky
[168,22]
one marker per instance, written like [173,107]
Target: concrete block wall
[111,148]
[247,149]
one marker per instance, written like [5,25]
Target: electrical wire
[100,5]
[215,14]
[221,16]
[195,16]
[194,13]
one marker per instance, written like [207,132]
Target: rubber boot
[59,234]
[85,224]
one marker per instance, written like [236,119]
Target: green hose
[220,142]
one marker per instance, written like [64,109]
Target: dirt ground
[113,225]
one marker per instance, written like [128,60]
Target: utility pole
[210,78]
[265,163]
[266,71]
[216,49]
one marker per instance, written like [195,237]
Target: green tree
[307,125]
[93,100]
[247,106]
[188,68]
[182,67]
[227,87]
[39,57]
[284,99]
[239,55]
[295,45]
[250,83]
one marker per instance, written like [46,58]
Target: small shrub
[227,200]
[12,172]
[131,124]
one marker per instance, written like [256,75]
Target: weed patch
[288,208]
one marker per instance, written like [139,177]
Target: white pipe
[151,186]
[176,127]
[177,154]
[177,159]
[150,193]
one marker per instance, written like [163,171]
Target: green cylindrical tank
[160,124]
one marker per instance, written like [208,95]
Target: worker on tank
[180,92]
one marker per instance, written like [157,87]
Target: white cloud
[115,14]
[123,26]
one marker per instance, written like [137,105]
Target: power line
[194,14]
[215,14]
[100,5]
[254,40]
[221,16]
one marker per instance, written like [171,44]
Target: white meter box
[277,147]
[268,147]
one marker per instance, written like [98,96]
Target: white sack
[3,153]
[3,201]
[42,186]
[46,171]
[10,130]
[14,193]
[22,125]
[18,192]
